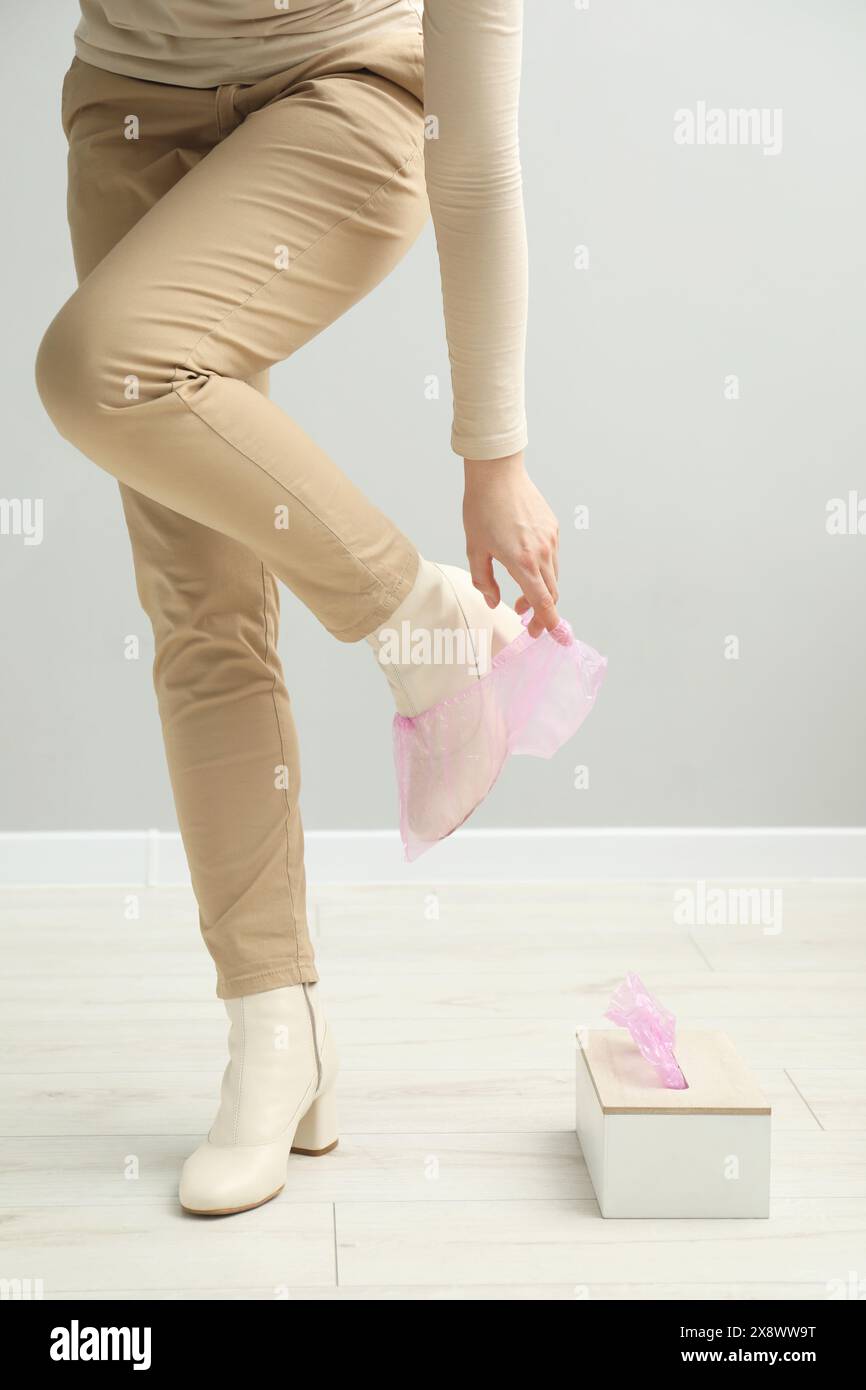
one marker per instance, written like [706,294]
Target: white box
[651,1151]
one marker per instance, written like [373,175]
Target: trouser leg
[229,735]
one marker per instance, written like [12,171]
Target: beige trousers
[215,231]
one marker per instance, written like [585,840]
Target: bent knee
[78,376]
[86,376]
[65,377]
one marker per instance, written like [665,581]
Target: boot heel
[317,1132]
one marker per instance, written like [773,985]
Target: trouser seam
[288,491]
[410,159]
[307,973]
[404,164]
[382,610]
[283,764]
[291,966]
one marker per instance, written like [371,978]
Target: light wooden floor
[458,1174]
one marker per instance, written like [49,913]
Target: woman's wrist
[492,470]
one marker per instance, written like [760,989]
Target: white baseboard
[156,858]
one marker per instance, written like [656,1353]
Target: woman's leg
[213,604]
[296,214]
[230,743]
[211,597]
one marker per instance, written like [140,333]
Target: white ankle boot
[277,1098]
[442,637]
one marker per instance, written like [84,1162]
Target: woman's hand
[507,519]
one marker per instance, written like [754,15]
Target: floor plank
[75,1248]
[579,995]
[809,1241]
[148,1041]
[492,1293]
[836,1098]
[471,1101]
[95,1170]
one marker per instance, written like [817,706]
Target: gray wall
[707,515]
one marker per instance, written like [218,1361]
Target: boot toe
[219,1181]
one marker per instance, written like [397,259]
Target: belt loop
[225,111]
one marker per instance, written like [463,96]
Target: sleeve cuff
[490,446]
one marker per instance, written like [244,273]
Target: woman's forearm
[472,54]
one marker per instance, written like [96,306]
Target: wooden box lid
[719,1082]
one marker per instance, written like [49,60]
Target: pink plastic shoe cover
[652,1027]
[535,696]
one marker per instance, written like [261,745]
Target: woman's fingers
[481,569]
[548,574]
[545,614]
[538,597]
[506,519]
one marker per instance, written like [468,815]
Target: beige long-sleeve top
[472,55]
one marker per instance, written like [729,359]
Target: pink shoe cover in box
[536,695]
[652,1026]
